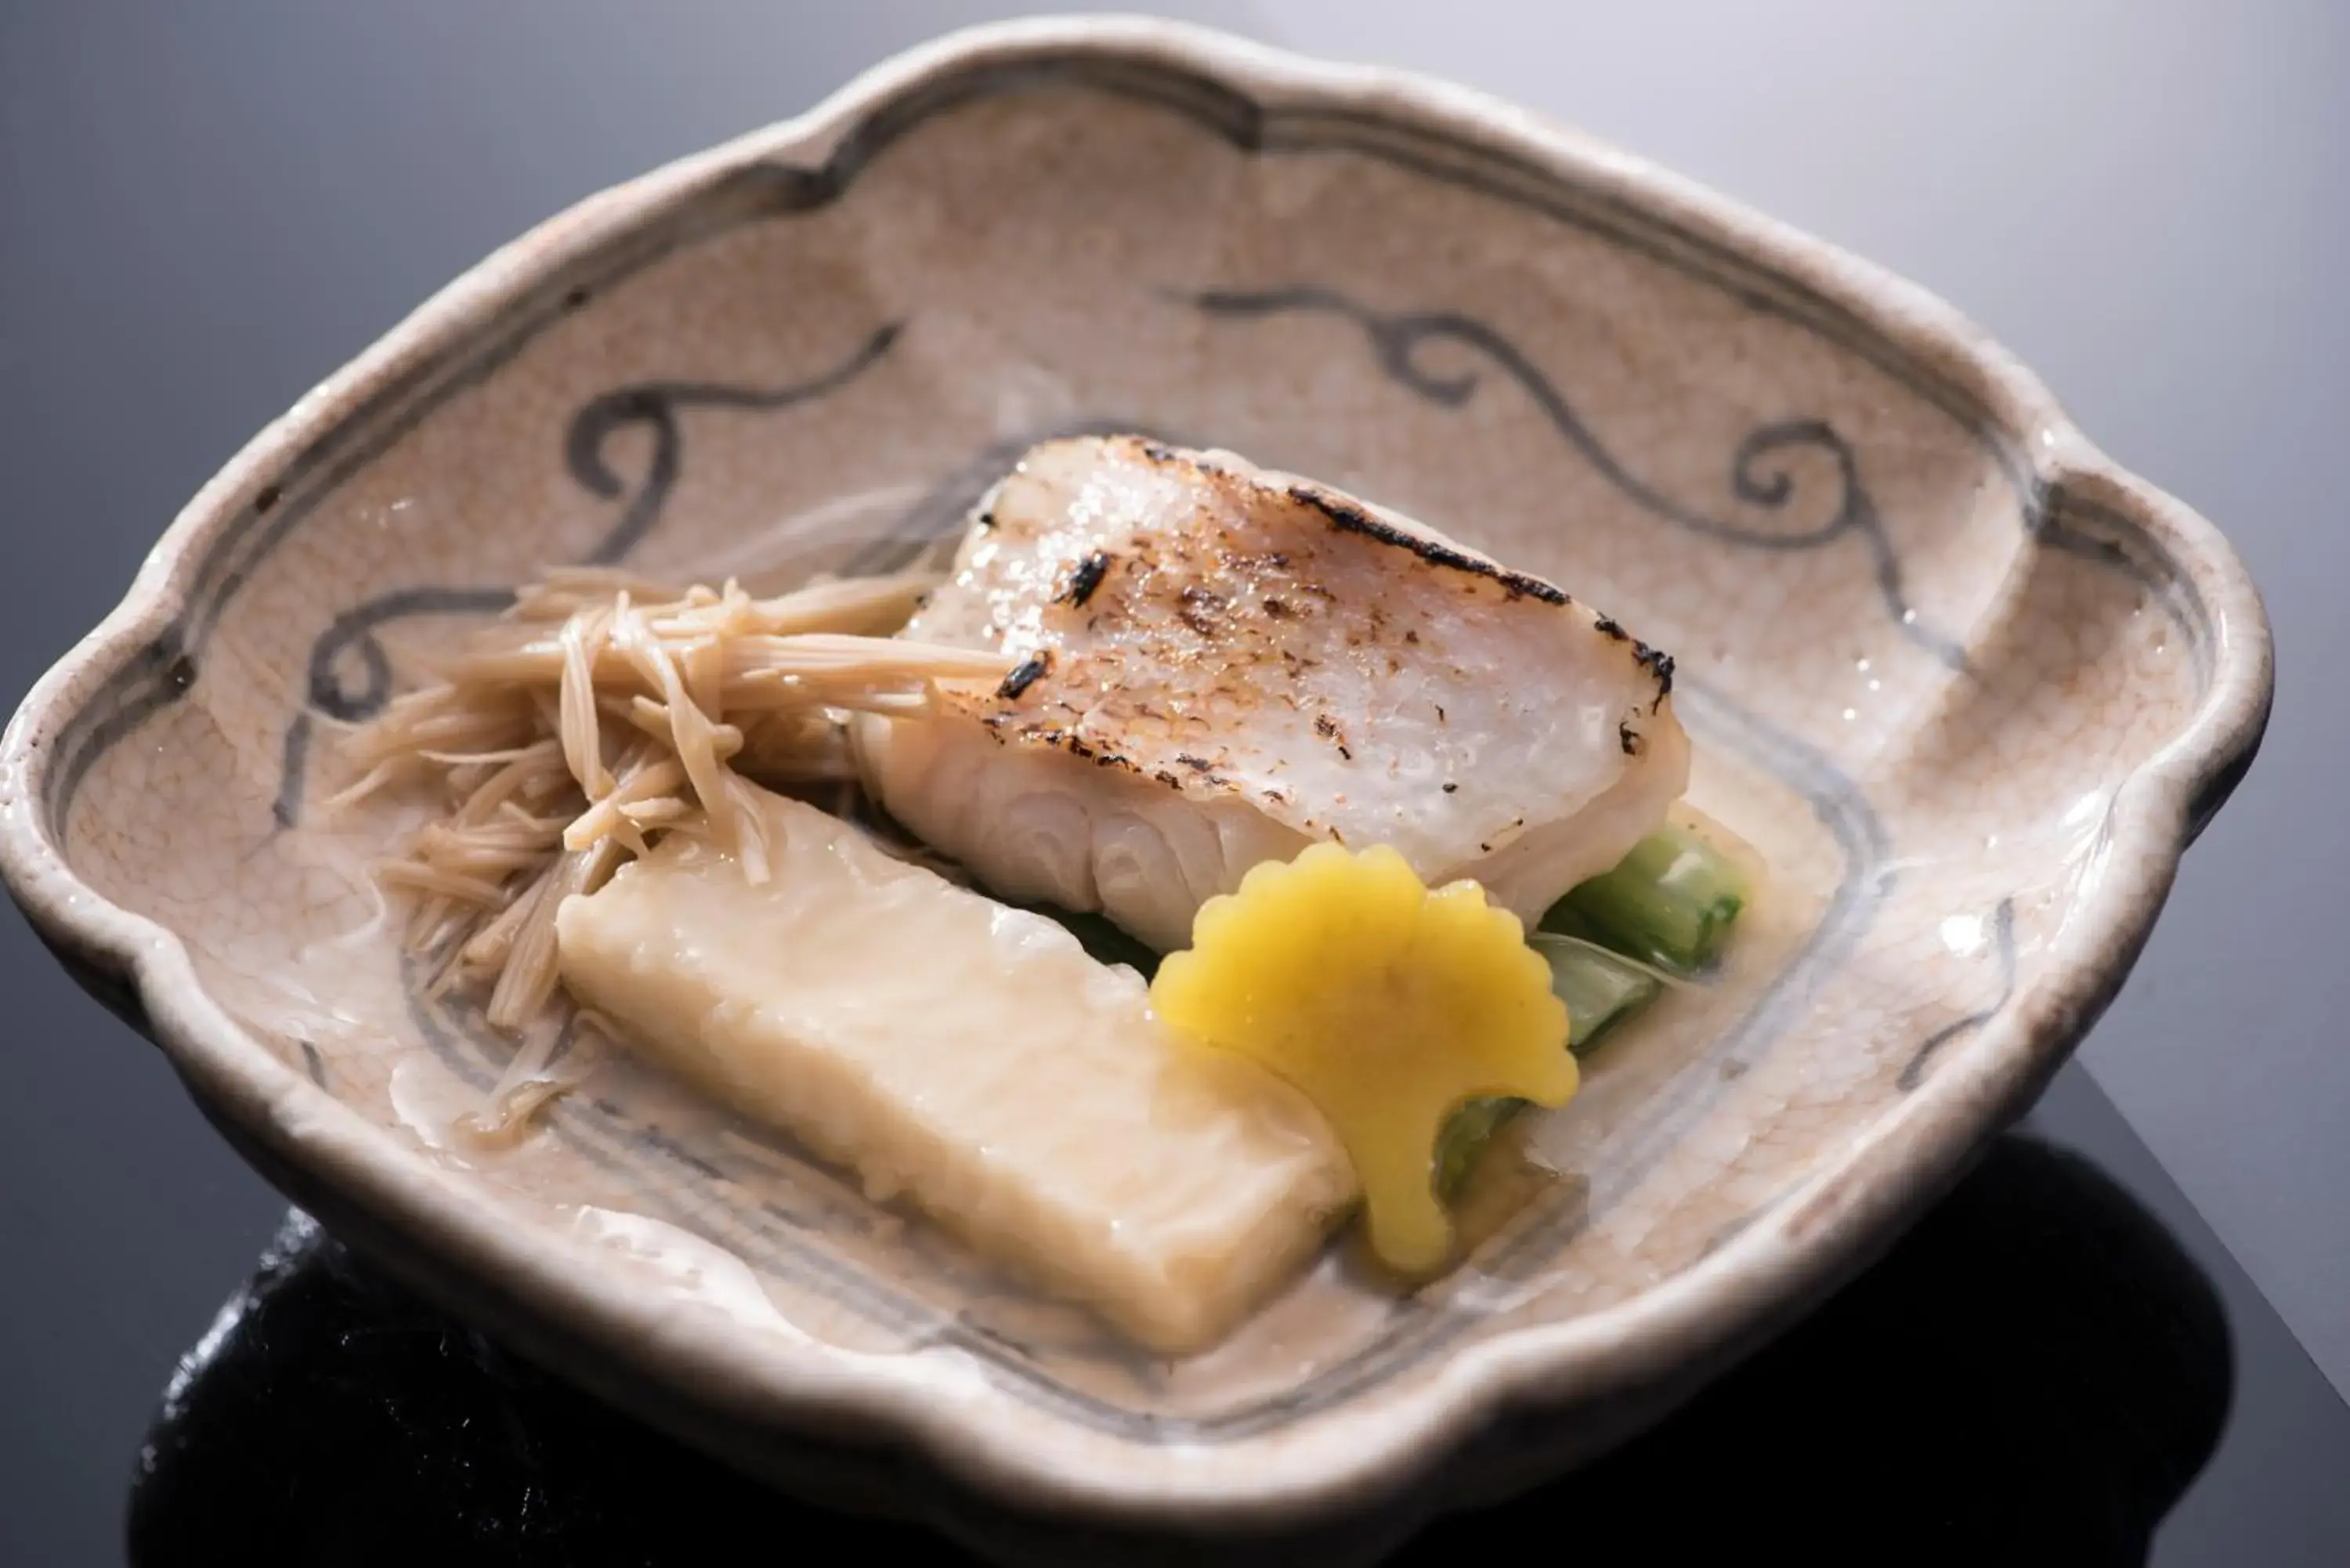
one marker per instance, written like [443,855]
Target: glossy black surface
[204,209]
[2038,1373]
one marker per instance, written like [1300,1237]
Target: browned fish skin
[1243,639]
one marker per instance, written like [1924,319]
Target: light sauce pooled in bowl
[790,964]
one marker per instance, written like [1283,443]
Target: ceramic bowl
[1969,688]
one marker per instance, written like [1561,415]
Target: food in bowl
[892,864]
[1217,666]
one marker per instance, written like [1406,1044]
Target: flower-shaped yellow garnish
[1384,1003]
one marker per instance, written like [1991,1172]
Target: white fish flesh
[1222,664]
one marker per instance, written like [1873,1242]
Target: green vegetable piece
[1601,990]
[1670,903]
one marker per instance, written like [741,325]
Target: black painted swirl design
[2002,929]
[1759,475]
[350,676]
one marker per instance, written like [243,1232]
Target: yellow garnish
[1384,1003]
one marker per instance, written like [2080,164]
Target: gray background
[204,209]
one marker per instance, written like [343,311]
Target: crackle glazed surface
[1966,687]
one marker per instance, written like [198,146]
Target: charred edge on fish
[1354,520]
[1660,664]
[1200,606]
[1024,674]
[1086,579]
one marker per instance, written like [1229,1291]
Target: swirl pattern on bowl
[1968,688]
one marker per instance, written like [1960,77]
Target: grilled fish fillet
[972,1057]
[1223,664]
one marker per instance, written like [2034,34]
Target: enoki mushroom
[602,712]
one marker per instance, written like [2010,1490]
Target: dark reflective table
[2043,1371]
[203,209]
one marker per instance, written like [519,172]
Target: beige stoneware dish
[1969,687]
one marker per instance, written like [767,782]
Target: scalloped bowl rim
[1802,1244]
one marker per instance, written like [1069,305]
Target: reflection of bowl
[1967,1419]
[1968,688]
